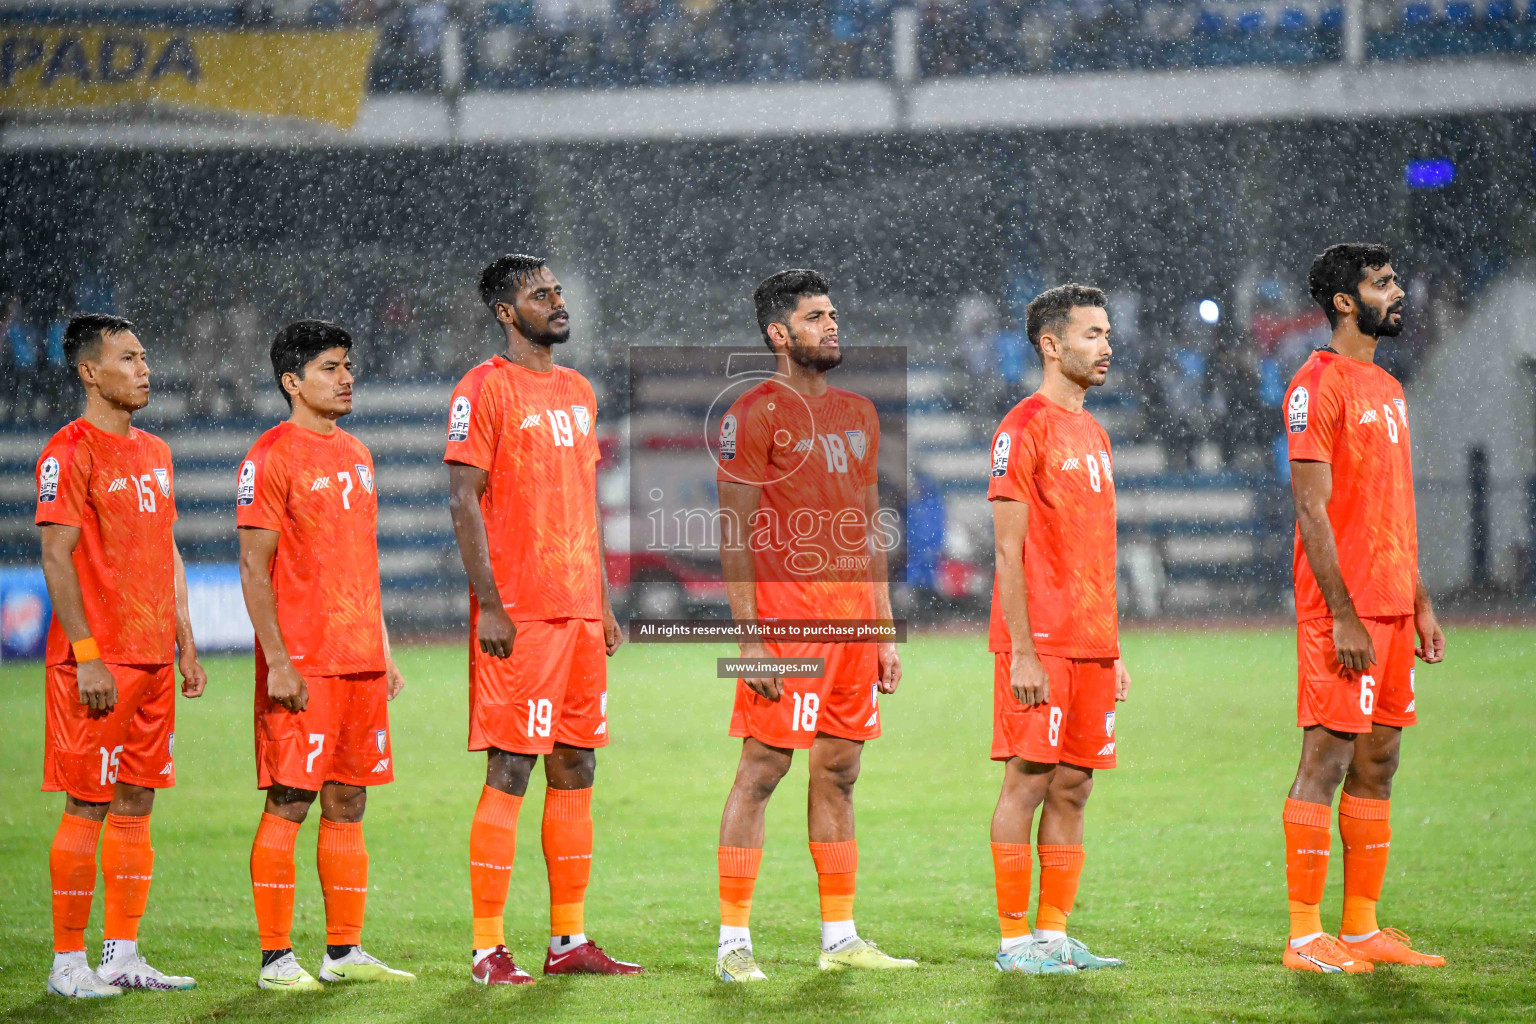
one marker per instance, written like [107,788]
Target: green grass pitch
[1184,875]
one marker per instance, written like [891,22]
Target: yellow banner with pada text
[312,75]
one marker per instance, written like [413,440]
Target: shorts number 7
[317,742]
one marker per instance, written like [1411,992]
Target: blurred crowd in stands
[520,44]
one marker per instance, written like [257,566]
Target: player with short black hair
[1054,636]
[106,504]
[522,459]
[308,514]
[792,445]
[1359,603]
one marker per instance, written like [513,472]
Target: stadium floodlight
[1429,173]
[1210,312]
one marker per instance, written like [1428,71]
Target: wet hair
[85,331]
[1341,268]
[776,298]
[501,280]
[1052,308]
[298,344]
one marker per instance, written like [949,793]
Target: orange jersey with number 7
[316,491]
[1352,415]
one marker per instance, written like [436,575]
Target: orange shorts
[1077,725]
[342,735]
[842,703]
[553,689]
[1330,695]
[85,752]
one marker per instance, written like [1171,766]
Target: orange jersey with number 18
[316,491]
[120,493]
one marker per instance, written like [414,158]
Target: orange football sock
[1366,829]
[272,876]
[738,876]
[837,868]
[492,849]
[127,866]
[1060,869]
[567,839]
[1307,847]
[1011,867]
[72,870]
[343,862]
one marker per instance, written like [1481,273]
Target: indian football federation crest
[246,494]
[1402,410]
[583,417]
[1104,461]
[458,420]
[1000,454]
[379,739]
[728,438]
[48,479]
[856,442]
[1296,410]
[364,476]
[1109,723]
[164,480]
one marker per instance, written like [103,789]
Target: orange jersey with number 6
[316,491]
[1352,415]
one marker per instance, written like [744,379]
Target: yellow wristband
[86,650]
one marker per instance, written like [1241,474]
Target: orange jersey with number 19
[119,492]
[1057,462]
[1352,415]
[316,491]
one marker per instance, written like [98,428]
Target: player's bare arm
[97,687]
[1010,525]
[466,486]
[284,684]
[1311,487]
[613,636]
[394,681]
[879,572]
[1431,649]
[740,503]
[193,677]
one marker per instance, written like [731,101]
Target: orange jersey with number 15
[316,491]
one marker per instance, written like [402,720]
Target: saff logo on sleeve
[246,494]
[48,479]
[728,438]
[1000,454]
[1296,410]
[458,420]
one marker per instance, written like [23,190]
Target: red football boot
[497,968]
[587,958]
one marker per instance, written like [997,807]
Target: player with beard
[794,444]
[1359,603]
[1054,634]
[522,475]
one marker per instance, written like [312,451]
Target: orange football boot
[1325,956]
[1391,946]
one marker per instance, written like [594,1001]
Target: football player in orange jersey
[1057,673]
[792,445]
[1359,603]
[522,475]
[106,504]
[309,566]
